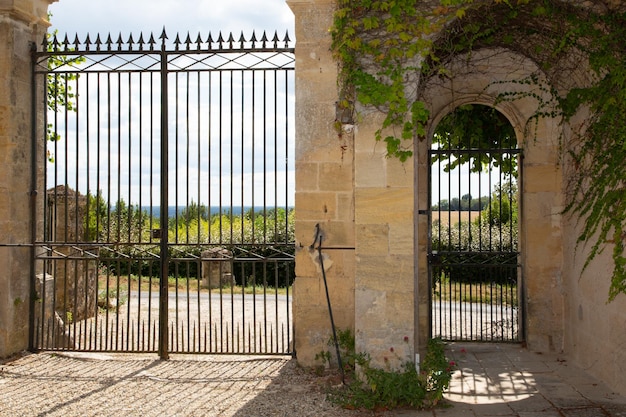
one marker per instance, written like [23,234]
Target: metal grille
[473,257]
[169,206]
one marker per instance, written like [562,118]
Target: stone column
[324,187]
[21,22]
[217,268]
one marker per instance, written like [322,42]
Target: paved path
[508,381]
[492,380]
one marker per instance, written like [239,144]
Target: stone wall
[362,199]
[21,22]
[324,187]
[594,336]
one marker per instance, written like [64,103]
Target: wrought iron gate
[474,269]
[167,221]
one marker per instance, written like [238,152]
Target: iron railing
[168,218]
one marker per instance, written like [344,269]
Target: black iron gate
[167,221]
[474,267]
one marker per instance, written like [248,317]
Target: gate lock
[434,258]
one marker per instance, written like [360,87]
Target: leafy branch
[380,46]
[59,92]
[385,46]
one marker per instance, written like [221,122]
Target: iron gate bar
[110,72]
[165,261]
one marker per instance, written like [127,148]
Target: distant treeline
[465,203]
[155,211]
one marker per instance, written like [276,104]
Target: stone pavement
[491,380]
[507,380]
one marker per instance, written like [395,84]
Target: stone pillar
[385,252]
[75,279]
[324,187]
[217,268]
[21,22]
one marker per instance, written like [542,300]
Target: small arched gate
[474,261]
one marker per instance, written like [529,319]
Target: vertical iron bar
[176,156]
[187,265]
[188,160]
[252,158]
[275,237]
[264,163]
[163,287]
[265,139]
[242,202]
[220,151]
[198,276]
[243,156]
[174,348]
[209,165]
[33,198]
[286,93]
[199,170]
[232,155]
[151,199]
[118,207]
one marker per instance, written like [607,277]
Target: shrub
[376,388]
[475,251]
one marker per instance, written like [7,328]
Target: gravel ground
[73,384]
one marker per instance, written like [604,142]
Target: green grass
[476,292]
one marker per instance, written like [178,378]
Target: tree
[194,212]
[503,207]
[475,127]
[59,88]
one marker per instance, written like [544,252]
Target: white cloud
[180,16]
[124,172]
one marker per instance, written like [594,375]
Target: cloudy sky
[126,16]
[217,171]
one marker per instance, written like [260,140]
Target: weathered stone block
[307,176]
[50,325]
[75,279]
[316,205]
[378,205]
[217,268]
[400,174]
[372,239]
[336,176]
[370,170]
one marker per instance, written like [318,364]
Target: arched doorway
[540,184]
[473,252]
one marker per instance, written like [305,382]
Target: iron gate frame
[490,262]
[119,56]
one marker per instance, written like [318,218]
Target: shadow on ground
[503,380]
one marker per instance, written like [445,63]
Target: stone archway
[480,79]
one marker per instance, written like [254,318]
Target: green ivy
[383,47]
[380,45]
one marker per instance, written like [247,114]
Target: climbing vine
[386,49]
[380,46]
